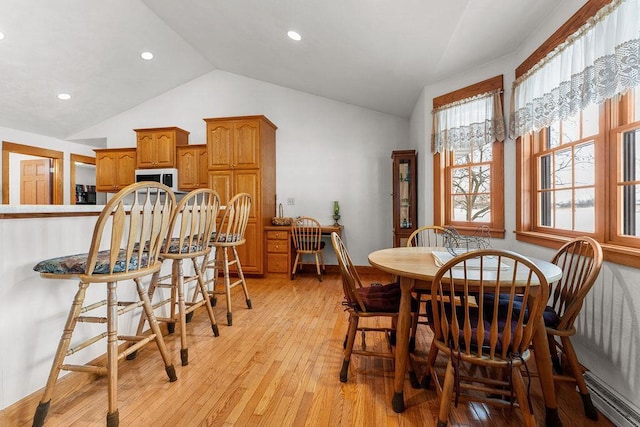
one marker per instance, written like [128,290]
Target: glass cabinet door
[404,195]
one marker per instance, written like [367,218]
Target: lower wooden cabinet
[278,248]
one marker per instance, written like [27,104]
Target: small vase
[336,217]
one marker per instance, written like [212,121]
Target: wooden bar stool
[126,245]
[230,235]
[191,227]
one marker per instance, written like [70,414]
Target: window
[572,193]
[468,159]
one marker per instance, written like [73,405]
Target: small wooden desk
[280,250]
[416,268]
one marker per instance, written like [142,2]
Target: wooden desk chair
[306,233]
[230,234]
[190,229]
[580,261]
[366,302]
[428,235]
[125,245]
[490,335]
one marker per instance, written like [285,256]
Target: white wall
[608,337]
[41,141]
[325,150]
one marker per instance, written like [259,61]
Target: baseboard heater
[615,407]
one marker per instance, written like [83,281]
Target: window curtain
[596,63]
[469,122]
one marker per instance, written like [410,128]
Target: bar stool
[130,250]
[191,228]
[230,234]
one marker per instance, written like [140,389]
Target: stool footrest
[87,369]
[86,343]
[91,319]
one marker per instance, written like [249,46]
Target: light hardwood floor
[278,365]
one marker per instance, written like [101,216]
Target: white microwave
[168,176]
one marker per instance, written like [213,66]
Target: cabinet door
[164,149]
[126,170]
[220,181]
[188,170]
[203,170]
[248,182]
[106,165]
[219,145]
[145,154]
[246,147]
[250,253]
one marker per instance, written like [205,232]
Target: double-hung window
[576,116]
[468,130]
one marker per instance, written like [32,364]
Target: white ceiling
[377,54]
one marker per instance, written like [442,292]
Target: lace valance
[599,61]
[469,122]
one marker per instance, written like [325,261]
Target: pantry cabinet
[241,159]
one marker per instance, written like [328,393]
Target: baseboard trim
[615,407]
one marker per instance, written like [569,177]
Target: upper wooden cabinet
[115,168]
[241,157]
[192,167]
[157,146]
[234,144]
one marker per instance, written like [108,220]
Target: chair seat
[174,247]
[384,298]
[77,264]
[225,238]
[551,318]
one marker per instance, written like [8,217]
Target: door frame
[57,162]
[73,159]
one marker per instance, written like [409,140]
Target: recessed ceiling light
[294,35]
[146,55]
[64,96]
[1,35]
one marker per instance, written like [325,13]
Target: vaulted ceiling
[377,54]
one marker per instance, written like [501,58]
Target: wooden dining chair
[580,260]
[372,301]
[190,229]
[495,337]
[428,235]
[306,233]
[230,234]
[126,245]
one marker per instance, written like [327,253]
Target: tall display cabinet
[241,153]
[405,195]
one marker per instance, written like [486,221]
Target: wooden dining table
[416,268]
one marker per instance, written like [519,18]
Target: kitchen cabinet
[192,167]
[405,195]
[115,168]
[156,148]
[278,248]
[241,158]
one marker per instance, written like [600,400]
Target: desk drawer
[278,263]
[277,235]
[279,246]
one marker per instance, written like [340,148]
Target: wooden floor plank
[279,365]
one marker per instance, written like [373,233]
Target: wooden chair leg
[227,285]
[431,363]
[112,353]
[521,396]
[351,338]
[445,397]
[177,283]
[295,266]
[242,281]
[589,410]
[318,267]
[202,290]
[63,346]
[155,329]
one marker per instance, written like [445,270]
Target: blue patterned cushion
[224,237]
[76,264]
[175,243]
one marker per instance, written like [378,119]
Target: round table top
[419,263]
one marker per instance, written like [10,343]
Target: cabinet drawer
[277,235]
[277,263]
[280,246]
